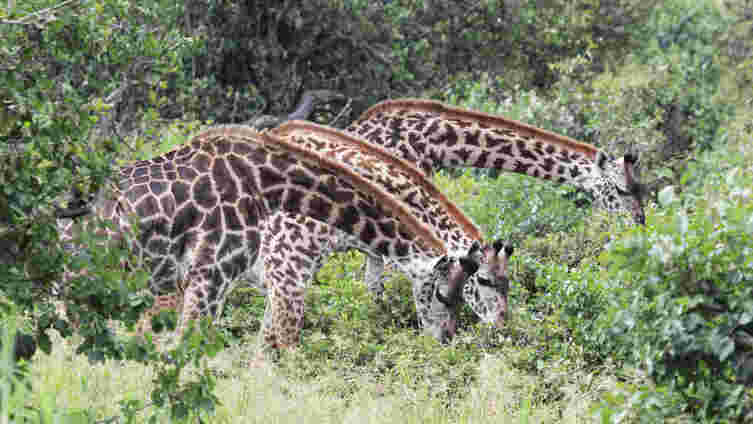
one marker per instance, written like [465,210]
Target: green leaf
[667,196]
[722,346]
[682,223]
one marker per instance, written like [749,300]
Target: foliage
[512,206]
[685,312]
[664,309]
[15,384]
[665,101]
[69,74]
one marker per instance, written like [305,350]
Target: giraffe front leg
[292,253]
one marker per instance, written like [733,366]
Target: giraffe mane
[452,112]
[409,222]
[380,152]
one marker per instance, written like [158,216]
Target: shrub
[512,206]
[685,313]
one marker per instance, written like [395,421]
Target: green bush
[512,206]
[685,312]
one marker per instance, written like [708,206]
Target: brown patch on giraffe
[140,172]
[456,114]
[481,160]
[548,164]
[158,187]
[168,205]
[465,223]
[187,174]
[180,192]
[473,138]
[137,193]
[203,194]
[521,167]
[147,207]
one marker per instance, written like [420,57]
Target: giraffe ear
[601,159]
[508,250]
[475,247]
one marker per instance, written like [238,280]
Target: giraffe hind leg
[292,255]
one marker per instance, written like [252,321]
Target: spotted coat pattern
[404,182]
[434,135]
[202,211]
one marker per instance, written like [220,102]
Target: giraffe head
[486,290]
[438,297]
[615,186]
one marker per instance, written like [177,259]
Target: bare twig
[346,109]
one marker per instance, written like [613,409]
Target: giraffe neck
[398,177]
[435,135]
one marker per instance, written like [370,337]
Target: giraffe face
[616,188]
[487,289]
[438,298]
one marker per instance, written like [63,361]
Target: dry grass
[66,385]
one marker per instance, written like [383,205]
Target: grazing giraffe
[434,135]
[403,181]
[204,209]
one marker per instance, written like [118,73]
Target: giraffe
[433,135]
[289,262]
[406,182]
[413,188]
[203,210]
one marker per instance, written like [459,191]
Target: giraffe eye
[485,282]
[622,192]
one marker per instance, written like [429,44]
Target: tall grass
[66,387]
